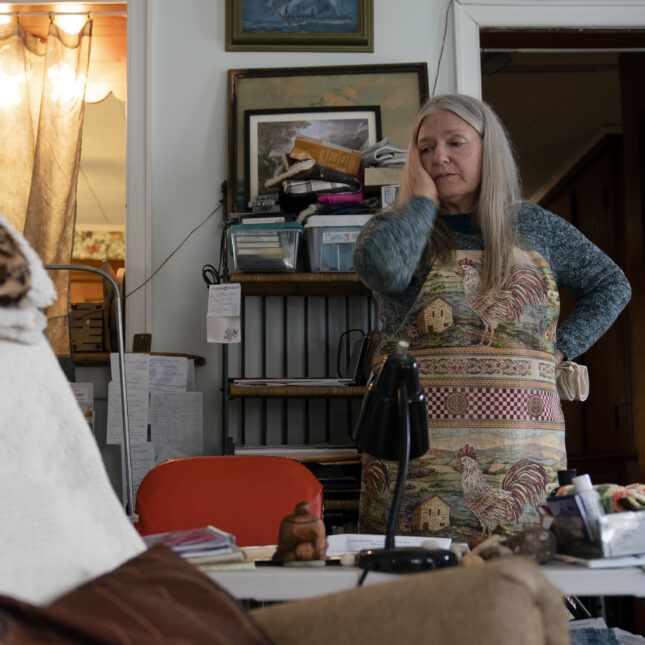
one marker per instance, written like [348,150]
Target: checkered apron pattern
[496,430]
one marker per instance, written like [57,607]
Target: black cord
[362,578]
[340,344]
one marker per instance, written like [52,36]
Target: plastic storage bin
[264,247]
[331,239]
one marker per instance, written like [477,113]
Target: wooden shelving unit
[299,284]
[295,391]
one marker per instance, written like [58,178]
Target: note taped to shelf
[355,542]
[223,323]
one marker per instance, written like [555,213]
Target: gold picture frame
[251,28]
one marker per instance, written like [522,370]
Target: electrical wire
[443,45]
[154,273]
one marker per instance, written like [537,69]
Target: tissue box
[264,247]
[331,239]
[622,533]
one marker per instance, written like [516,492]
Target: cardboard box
[327,154]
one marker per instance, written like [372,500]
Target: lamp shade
[378,426]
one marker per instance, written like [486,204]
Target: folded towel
[383,153]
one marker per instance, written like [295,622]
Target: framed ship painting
[300,25]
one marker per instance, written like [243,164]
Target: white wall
[188,149]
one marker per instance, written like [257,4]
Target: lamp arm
[403,462]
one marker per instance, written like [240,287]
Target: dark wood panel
[599,431]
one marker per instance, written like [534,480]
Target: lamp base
[405,559]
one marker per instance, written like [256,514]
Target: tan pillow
[154,598]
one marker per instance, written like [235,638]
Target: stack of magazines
[205,545]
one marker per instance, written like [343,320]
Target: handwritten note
[137,414]
[142,459]
[223,322]
[168,373]
[136,369]
[177,418]
[190,377]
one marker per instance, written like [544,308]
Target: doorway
[563,110]
[621,22]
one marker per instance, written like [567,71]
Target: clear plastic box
[264,247]
[331,240]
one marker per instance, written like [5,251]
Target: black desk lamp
[393,425]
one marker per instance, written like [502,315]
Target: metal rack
[323,304]
[121,351]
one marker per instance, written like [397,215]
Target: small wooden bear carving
[301,537]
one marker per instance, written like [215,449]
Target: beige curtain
[42,94]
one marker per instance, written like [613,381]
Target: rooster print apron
[496,430]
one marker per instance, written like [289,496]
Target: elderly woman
[468,274]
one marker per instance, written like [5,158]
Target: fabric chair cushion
[154,598]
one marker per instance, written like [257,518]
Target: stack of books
[205,546]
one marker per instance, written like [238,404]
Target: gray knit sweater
[389,247]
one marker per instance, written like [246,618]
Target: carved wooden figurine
[301,537]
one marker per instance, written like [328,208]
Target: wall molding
[471,17]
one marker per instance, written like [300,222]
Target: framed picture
[398,89]
[300,25]
[270,134]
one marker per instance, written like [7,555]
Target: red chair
[246,495]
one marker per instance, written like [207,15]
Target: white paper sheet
[190,377]
[223,322]
[84,393]
[137,414]
[142,459]
[137,367]
[177,418]
[168,373]
[355,542]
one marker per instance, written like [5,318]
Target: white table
[271,583]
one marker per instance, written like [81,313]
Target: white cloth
[25,322]
[61,523]
[383,153]
[572,381]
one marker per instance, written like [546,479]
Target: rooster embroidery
[524,286]
[523,484]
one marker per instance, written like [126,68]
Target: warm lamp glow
[71,19]
[5,18]
[66,84]
[11,86]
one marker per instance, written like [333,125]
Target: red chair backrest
[246,495]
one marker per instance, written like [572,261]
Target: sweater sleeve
[389,246]
[597,282]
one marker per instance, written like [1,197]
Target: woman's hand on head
[421,183]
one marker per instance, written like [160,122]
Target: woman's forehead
[443,123]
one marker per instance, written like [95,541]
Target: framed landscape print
[270,135]
[300,25]
[397,89]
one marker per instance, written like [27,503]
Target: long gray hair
[499,192]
